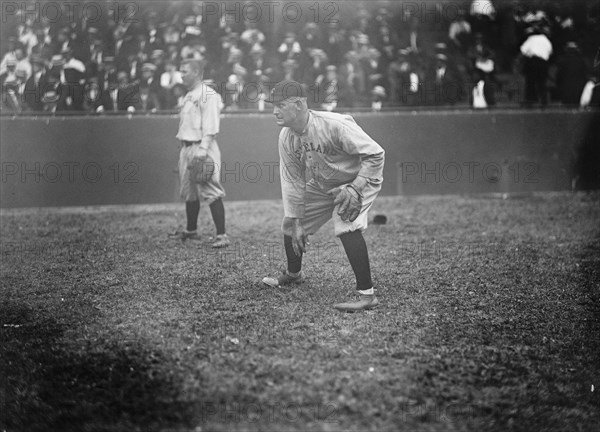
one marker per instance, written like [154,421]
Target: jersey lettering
[306,147]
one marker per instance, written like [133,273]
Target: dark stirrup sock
[192,210]
[294,262]
[217,210]
[356,250]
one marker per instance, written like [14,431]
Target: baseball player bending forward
[344,168]
[200,157]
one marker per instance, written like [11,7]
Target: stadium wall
[74,161]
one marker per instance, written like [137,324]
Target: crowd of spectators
[125,56]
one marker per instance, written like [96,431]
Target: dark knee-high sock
[356,250]
[294,262]
[192,210]
[217,210]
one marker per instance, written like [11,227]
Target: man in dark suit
[32,94]
[119,96]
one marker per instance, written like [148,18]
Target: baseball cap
[286,89]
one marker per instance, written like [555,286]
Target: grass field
[490,321]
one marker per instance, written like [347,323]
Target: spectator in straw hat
[378,98]
[57,63]
[53,96]
[148,76]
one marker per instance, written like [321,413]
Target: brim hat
[193,31]
[57,60]
[149,67]
[50,96]
[378,91]
[156,54]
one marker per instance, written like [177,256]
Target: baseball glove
[201,170]
[350,203]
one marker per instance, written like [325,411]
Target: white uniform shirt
[333,149]
[200,114]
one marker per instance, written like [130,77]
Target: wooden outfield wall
[73,161]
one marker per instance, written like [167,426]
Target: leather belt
[189,143]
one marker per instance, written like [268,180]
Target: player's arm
[210,111]
[354,140]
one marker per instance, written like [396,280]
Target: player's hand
[201,169]
[349,201]
[200,154]
[299,238]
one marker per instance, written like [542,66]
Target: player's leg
[192,210]
[358,256]
[189,193]
[318,208]
[353,241]
[213,193]
[293,273]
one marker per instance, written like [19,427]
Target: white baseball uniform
[331,151]
[199,118]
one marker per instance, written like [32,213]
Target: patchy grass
[490,320]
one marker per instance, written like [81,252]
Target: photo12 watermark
[68,12]
[289,12]
[69,251]
[69,172]
[469,172]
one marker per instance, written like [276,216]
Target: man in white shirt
[536,51]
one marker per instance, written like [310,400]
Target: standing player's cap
[286,89]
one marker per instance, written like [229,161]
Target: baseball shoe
[364,302]
[284,279]
[221,241]
[185,235]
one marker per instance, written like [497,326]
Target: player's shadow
[105,385]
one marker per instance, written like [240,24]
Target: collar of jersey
[305,130]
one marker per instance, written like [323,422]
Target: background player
[198,127]
[345,166]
